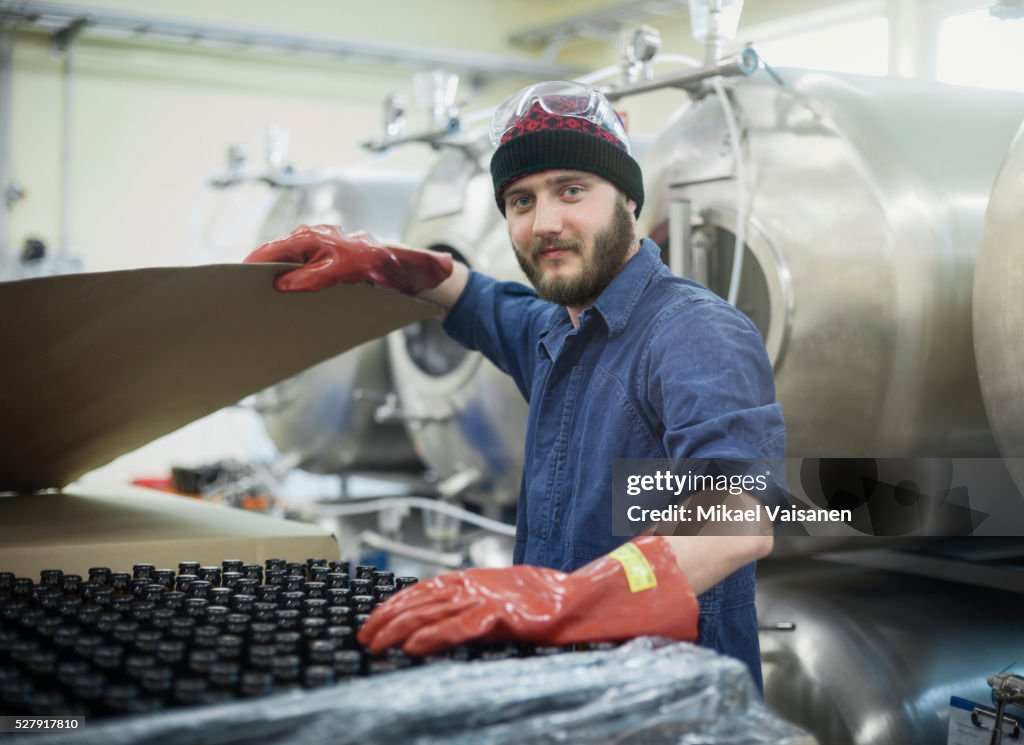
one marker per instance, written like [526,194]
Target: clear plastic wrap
[646,691]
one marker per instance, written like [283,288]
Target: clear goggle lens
[561,98]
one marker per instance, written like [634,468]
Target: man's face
[572,232]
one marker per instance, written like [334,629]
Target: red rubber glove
[330,257]
[636,590]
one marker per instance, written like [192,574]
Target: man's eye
[520,201]
[573,191]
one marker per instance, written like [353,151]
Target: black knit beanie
[542,141]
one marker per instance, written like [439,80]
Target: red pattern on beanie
[537,119]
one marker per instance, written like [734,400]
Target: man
[617,358]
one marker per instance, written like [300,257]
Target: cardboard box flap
[95,365]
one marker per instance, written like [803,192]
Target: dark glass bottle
[158,681]
[312,628]
[344,636]
[220,596]
[143,571]
[100,575]
[188,567]
[205,637]
[199,588]
[229,646]
[340,615]
[291,599]
[315,676]
[287,642]
[363,604]
[263,611]
[164,577]
[196,608]
[361,586]
[121,582]
[182,627]
[51,578]
[68,670]
[256,683]
[275,577]
[71,584]
[184,580]
[210,574]
[261,656]
[342,567]
[381,577]
[217,615]
[190,691]
[336,579]
[201,661]
[314,607]
[286,670]
[237,623]
[261,633]
[242,603]
[314,589]
[147,640]
[225,674]
[232,565]
[320,651]
[171,652]
[6,584]
[347,663]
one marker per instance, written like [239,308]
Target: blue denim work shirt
[659,367]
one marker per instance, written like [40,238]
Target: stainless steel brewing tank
[325,416]
[465,416]
[865,199]
[875,655]
[999,309]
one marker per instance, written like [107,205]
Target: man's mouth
[554,252]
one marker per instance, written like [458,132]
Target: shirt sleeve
[709,378]
[502,320]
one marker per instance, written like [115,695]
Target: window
[856,46]
[977,49]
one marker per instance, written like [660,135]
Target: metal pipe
[387,503]
[745,63]
[7,40]
[448,560]
[50,16]
[66,148]
[680,257]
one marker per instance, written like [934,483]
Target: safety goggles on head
[560,98]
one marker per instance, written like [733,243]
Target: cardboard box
[97,364]
[117,527]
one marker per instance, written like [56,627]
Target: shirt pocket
[606,426]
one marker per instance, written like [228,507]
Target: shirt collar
[615,304]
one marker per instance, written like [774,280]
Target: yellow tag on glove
[639,574]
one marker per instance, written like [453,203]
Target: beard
[611,245]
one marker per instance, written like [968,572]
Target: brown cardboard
[95,365]
[88,527]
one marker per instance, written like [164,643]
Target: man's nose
[547,218]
